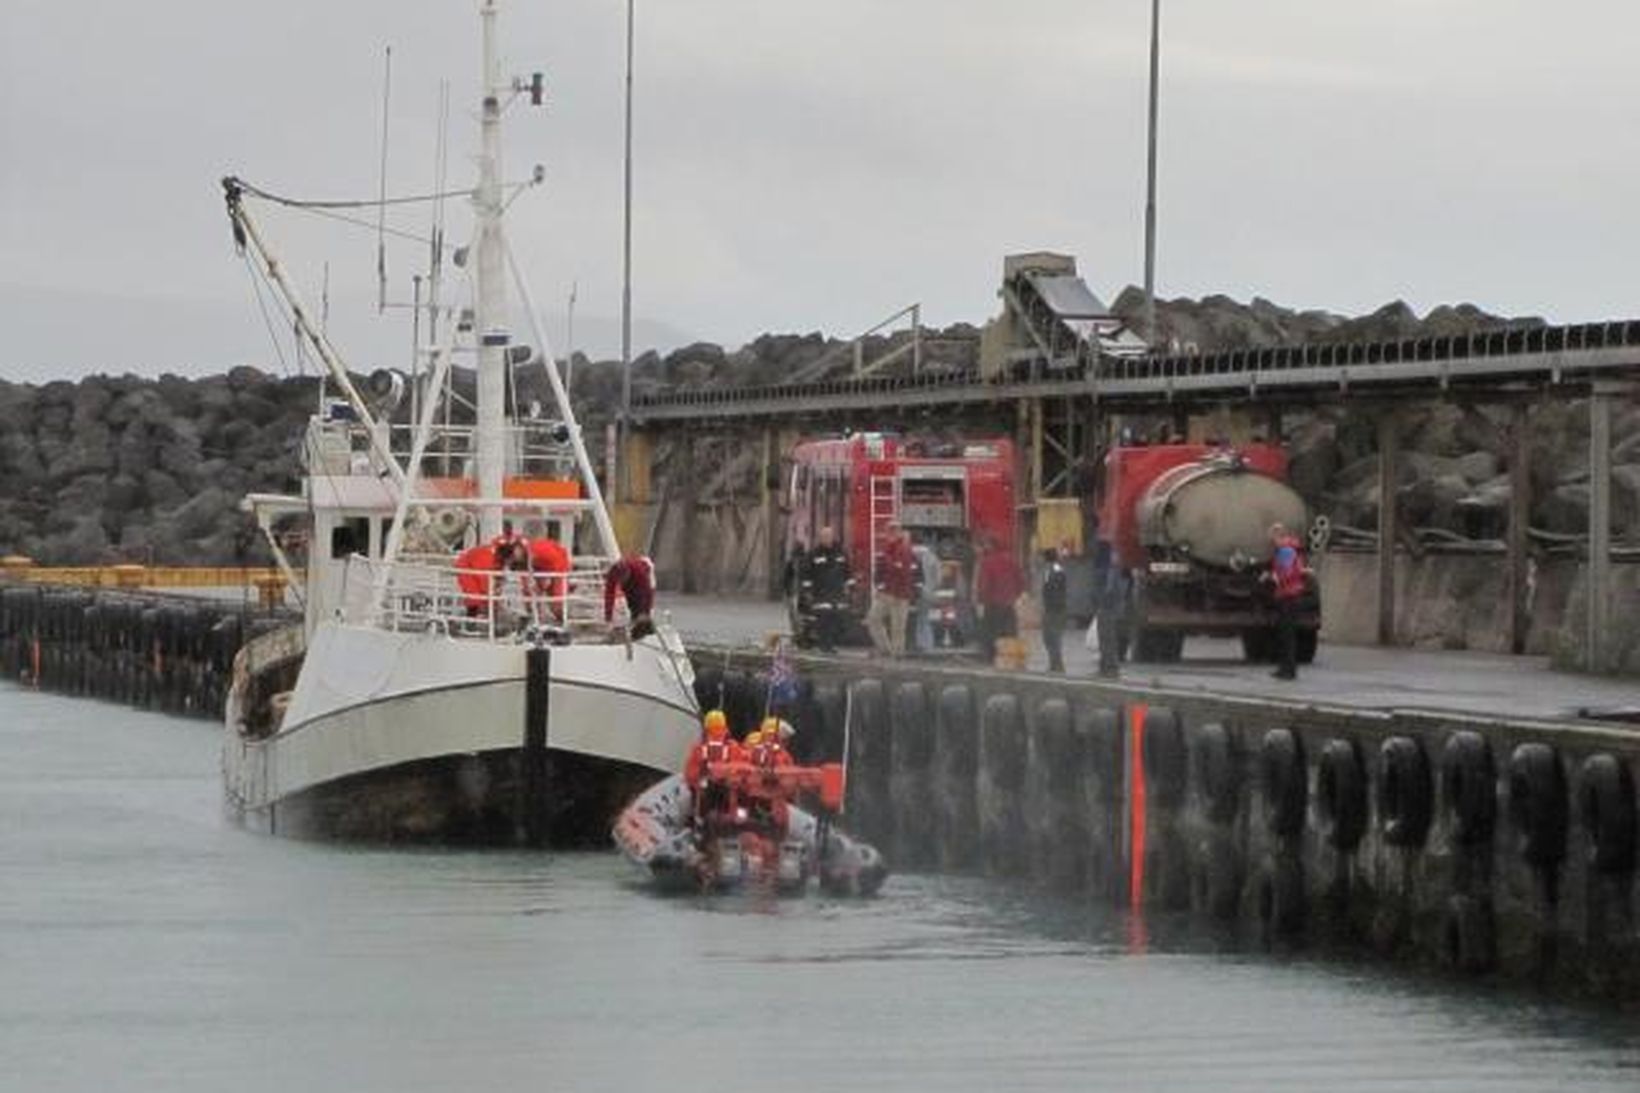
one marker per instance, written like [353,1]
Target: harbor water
[146,944]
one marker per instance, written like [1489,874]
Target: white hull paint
[370,700]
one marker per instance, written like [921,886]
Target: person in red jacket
[894,586]
[633,576]
[551,562]
[998,584]
[1288,579]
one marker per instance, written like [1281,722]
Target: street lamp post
[626,260]
[1150,181]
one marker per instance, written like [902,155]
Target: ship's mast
[490,291]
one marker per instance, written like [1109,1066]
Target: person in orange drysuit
[771,750]
[551,563]
[771,812]
[711,799]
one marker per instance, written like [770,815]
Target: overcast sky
[814,166]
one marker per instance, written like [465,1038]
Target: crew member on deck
[473,568]
[634,578]
[551,563]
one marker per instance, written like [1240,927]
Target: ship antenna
[381,205]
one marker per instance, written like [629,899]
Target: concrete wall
[1450,601]
[1491,849]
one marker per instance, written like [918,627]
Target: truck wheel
[1306,643]
[1258,645]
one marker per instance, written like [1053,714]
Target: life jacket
[707,752]
[771,756]
[1287,569]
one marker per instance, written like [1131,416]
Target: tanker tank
[1218,511]
[1190,526]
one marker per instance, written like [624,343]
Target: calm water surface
[146,944]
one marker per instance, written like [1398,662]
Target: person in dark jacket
[825,578]
[1054,584]
[1110,601]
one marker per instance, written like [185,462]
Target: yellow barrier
[138,576]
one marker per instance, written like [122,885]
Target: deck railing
[432,594]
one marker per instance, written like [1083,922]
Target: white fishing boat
[424,695]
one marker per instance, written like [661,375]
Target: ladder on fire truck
[885,509]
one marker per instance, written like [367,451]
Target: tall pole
[626,261]
[569,350]
[1150,180]
[491,296]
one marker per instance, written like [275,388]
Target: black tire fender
[1283,779]
[1341,794]
[1605,803]
[1165,765]
[1003,742]
[1469,786]
[1405,792]
[1214,766]
[1537,803]
[912,729]
[1468,944]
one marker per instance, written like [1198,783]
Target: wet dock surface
[1364,677]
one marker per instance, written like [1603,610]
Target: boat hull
[460,800]
[392,737]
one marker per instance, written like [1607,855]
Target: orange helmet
[717,724]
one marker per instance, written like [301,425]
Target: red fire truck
[947,494]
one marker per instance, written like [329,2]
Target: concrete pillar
[1388,490]
[687,494]
[1038,450]
[1520,514]
[775,546]
[1597,641]
[1025,472]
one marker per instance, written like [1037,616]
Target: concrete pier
[154,651]
[1484,845]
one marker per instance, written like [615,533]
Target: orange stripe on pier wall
[1136,804]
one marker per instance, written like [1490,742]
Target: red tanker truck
[1190,526]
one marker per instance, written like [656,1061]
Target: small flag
[782,678]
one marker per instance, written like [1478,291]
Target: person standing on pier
[997,587]
[1288,578]
[893,589]
[1054,584]
[823,577]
